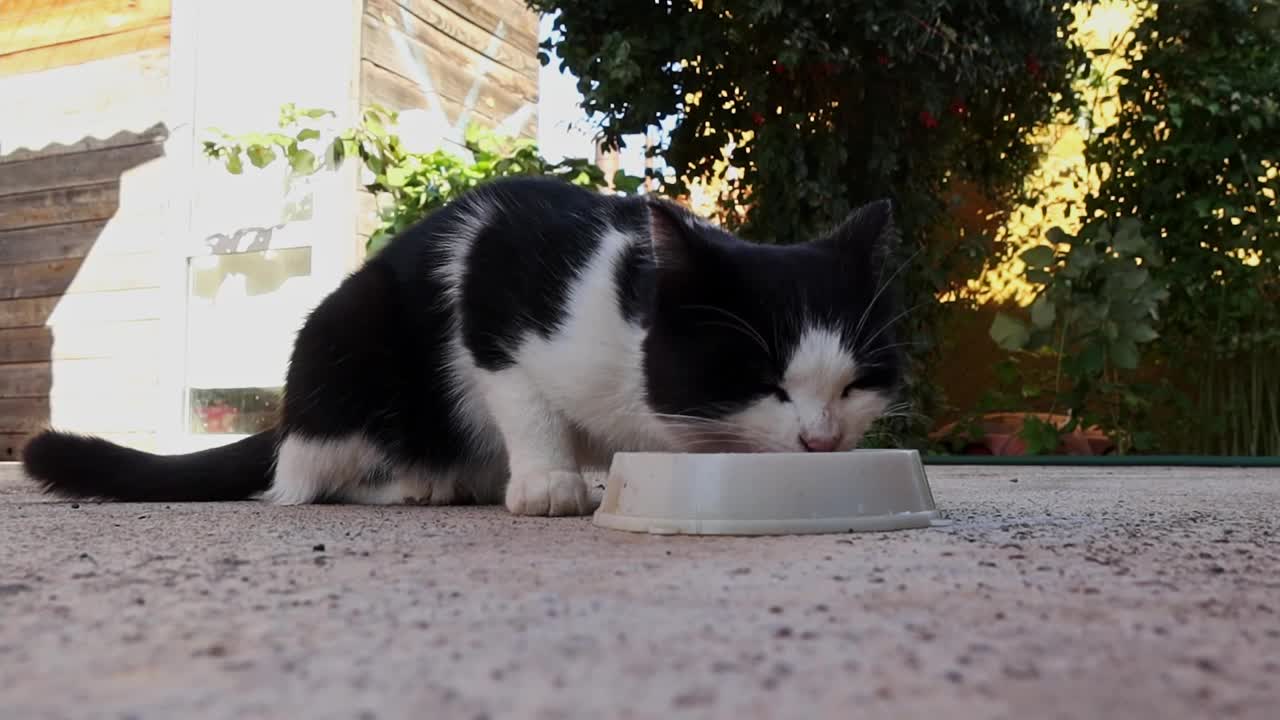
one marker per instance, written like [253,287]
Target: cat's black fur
[372,357]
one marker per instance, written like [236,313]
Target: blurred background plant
[1195,152]
[1098,304]
[407,185]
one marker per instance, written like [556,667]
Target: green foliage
[408,185]
[830,103]
[1041,436]
[1196,154]
[1098,304]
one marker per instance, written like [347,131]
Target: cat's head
[772,348]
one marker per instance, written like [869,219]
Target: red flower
[779,68]
[958,107]
[928,120]
[1033,66]
[757,118]
[883,60]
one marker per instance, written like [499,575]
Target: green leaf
[234,164]
[1009,332]
[1040,436]
[1124,354]
[1043,312]
[1092,360]
[1144,333]
[308,134]
[1040,256]
[628,184]
[303,162]
[396,177]
[260,155]
[1144,440]
[1128,238]
[1007,372]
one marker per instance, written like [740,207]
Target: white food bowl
[766,494]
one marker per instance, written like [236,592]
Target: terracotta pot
[1000,436]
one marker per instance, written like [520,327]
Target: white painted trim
[180,155]
[330,231]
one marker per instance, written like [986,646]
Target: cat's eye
[862,382]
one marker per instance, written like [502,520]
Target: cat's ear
[868,230]
[674,235]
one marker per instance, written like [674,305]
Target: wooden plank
[109,273]
[31,312]
[62,205]
[39,279]
[436,25]
[502,89]
[53,22]
[147,37]
[26,380]
[133,368]
[29,344]
[521,22]
[452,64]
[23,415]
[11,445]
[124,234]
[105,409]
[80,275]
[95,166]
[72,342]
[53,242]
[87,308]
[380,85]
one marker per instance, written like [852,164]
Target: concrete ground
[1045,593]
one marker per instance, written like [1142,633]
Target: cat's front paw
[548,493]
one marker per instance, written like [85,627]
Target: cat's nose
[820,443]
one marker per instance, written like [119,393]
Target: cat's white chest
[591,368]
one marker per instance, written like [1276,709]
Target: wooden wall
[470,59]
[82,192]
[455,61]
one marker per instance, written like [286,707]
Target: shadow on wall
[79,281]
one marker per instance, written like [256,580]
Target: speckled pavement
[1045,593]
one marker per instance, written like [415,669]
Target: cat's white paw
[548,493]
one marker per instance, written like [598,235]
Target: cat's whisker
[891,323]
[730,326]
[738,321]
[886,348]
[866,312]
[689,427]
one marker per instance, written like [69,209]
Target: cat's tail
[80,466]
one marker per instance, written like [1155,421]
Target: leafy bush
[825,104]
[1195,153]
[1099,300]
[407,185]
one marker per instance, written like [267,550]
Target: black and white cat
[525,333]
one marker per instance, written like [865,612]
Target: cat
[527,331]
